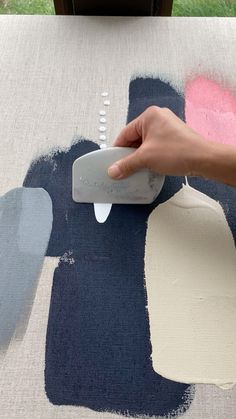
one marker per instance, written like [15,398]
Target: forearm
[217,162]
[166,145]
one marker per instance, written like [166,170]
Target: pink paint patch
[211,110]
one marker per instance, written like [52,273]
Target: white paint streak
[190,268]
[102,212]
[68,258]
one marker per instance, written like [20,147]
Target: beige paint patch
[190,269]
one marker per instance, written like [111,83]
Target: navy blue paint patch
[145,92]
[98,343]
[53,173]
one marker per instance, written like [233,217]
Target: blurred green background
[204,8]
[31,7]
[180,7]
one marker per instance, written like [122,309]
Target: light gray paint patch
[36,207]
[25,228]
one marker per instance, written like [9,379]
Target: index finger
[130,135]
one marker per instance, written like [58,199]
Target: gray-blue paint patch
[25,228]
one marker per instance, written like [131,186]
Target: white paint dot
[103,120]
[104,94]
[102,128]
[107,102]
[102,137]
[103,146]
[102,113]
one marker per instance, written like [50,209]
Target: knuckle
[166,111]
[153,109]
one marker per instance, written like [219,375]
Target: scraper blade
[91,183]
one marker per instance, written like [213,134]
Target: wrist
[216,161]
[202,157]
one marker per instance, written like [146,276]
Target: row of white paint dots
[103,120]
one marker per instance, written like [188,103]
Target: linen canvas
[86,350]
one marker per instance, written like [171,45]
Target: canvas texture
[86,350]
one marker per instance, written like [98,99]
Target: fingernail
[114,171]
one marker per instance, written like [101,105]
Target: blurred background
[180,7]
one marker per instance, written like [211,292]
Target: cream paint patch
[190,270]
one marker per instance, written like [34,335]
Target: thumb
[125,167]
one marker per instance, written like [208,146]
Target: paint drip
[107,102]
[103,120]
[102,129]
[102,113]
[102,211]
[104,94]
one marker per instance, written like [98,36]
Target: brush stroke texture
[211,110]
[25,227]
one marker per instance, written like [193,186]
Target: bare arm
[166,145]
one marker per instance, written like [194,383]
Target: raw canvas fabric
[50,98]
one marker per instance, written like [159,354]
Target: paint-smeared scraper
[91,183]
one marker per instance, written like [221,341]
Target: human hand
[165,144]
